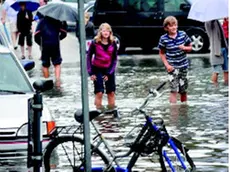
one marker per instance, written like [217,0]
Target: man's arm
[3,19]
[63,30]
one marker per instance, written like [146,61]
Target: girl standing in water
[101,64]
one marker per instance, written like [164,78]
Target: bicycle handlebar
[161,86]
[151,93]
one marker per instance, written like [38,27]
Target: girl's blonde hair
[98,37]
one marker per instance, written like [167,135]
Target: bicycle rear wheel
[66,153]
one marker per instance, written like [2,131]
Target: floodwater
[202,125]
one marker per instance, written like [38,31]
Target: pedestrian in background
[10,15]
[48,34]
[24,26]
[89,28]
[226,29]
[218,45]
[173,47]
[101,64]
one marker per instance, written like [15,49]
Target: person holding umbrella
[24,25]
[48,34]
[50,30]
[219,46]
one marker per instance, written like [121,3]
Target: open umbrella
[58,11]
[207,10]
[31,5]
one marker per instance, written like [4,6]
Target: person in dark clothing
[89,28]
[48,34]
[24,24]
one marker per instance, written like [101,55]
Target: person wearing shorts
[173,47]
[101,64]
[48,34]
[10,15]
[218,50]
[24,26]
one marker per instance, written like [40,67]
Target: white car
[15,92]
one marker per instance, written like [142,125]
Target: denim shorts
[225,55]
[178,80]
[100,84]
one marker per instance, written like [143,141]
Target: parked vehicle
[89,8]
[15,93]
[139,23]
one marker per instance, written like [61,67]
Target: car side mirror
[27,64]
[43,85]
[185,7]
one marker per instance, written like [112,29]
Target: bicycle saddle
[78,115]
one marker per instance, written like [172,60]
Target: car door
[180,10]
[144,20]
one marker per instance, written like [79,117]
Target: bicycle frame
[149,129]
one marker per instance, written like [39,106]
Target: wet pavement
[202,124]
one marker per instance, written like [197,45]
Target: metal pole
[84,86]
[37,136]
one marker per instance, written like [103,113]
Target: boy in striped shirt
[173,47]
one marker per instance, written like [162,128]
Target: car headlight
[46,129]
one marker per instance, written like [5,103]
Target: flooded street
[202,124]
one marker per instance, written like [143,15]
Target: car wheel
[200,42]
[120,46]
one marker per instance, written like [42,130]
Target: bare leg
[111,100]
[226,78]
[14,38]
[215,79]
[173,97]
[29,51]
[98,100]
[23,51]
[45,71]
[57,70]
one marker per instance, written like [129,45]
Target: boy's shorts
[110,85]
[21,39]
[178,80]
[51,52]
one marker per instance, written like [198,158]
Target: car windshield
[12,78]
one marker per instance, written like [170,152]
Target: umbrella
[207,10]
[31,5]
[58,11]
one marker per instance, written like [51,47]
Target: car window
[91,9]
[110,5]
[173,5]
[11,76]
[142,5]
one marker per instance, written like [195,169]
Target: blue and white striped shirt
[175,56]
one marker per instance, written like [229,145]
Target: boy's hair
[169,21]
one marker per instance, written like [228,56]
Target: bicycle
[151,139]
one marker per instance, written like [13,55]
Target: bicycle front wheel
[175,165]
[66,153]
